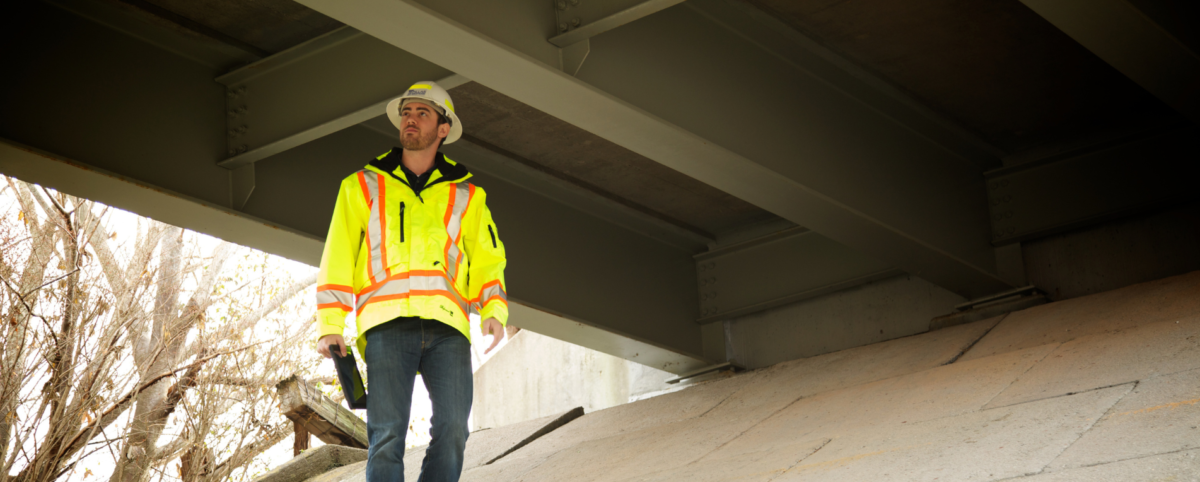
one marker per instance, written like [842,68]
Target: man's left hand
[492,326]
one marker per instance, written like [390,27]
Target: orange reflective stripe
[399,276]
[371,237]
[450,204]
[334,305]
[460,199]
[335,296]
[496,297]
[409,294]
[383,224]
[376,232]
[362,183]
[491,289]
[404,285]
[461,214]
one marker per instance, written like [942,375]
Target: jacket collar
[444,169]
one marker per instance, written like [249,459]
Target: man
[413,250]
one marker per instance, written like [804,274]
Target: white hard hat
[430,93]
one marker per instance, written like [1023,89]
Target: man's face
[420,129]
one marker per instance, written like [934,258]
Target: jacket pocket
[397,253]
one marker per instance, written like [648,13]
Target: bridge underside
[666,174]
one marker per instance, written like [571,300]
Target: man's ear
[443,130]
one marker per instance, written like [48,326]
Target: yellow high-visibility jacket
[391,252]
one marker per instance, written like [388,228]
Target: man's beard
[418,142]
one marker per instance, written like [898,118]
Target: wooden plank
[329,421]
[302,439]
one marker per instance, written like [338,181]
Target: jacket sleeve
[335,281]
[485,252]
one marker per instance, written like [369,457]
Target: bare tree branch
[136,306]
[111,413]
[253,317]
[42,241]
[248,452]
[43,285]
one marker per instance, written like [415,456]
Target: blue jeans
[396,351]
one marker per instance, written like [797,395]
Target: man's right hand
[327,342]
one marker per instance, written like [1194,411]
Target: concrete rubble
[1103,387]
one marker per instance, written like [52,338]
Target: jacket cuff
[331,323]
[495,309]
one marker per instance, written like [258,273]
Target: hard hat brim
[393,113]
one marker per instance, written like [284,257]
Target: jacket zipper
[401,221]
[493,233]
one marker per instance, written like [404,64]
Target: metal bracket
[706,370]
[990,306]
[241,182]
[236,110]
[998,297]
[561,23]
[595,18]
[573,56]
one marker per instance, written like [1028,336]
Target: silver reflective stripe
[414,283]
[490,291]
[393,287]
[375,225]
[462,197]
[333,296]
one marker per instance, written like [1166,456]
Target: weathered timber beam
[320,415]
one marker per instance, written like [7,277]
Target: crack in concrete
[1098,464]
[1018,377]
[550,427]
[977,340]
[755,424]
[1094,422]
[802,459]
[727,397]
[1133,382]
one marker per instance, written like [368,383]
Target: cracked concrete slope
[751,397]
[1103,389]
[738,406]
[763,464]
[773,446]
[487,446]
[483,447]
[672,407]
[983,445]
[778,386]
[1161,415]
[1109,359]
[940,392]
[1167,299]
[1171,467]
